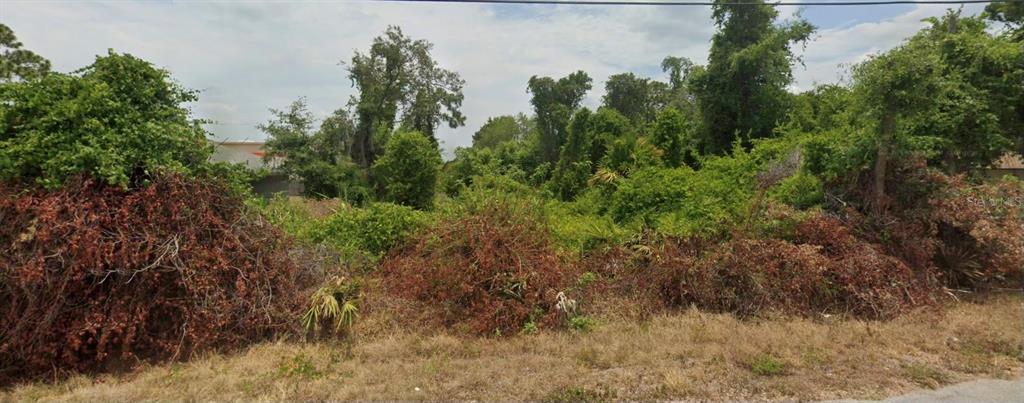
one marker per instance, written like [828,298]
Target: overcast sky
[247,56]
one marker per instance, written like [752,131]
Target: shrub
[95,277]
[682,202]
[863,281]
[119,120]
[407,172]
[335,304]
[802,191]
[982,231]
[490,272]
[374,229]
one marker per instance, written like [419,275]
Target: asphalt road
[979,391]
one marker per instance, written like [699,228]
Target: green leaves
[119,120]
[407,173]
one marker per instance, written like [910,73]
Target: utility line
[707,3]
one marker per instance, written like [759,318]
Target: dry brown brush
[489,272]
[94,277]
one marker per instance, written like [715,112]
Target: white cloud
[250,56]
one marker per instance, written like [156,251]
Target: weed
[581,323]
[580,394]
[925,375]
[298,366]
[767,365]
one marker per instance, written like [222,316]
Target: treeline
[951,93]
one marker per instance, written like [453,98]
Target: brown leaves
[113,276]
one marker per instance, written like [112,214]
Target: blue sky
[248,56]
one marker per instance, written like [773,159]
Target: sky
[248,56]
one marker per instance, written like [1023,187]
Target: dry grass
[685,356]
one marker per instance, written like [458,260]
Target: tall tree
[636,98]
[743,90]
[1011,13]
[502,129]
[554,102]
[399,82]
[18,63]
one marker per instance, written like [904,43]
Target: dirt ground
[689,356]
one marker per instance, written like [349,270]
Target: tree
[119,120]
[574,166]
[1011,13]
[743,90]
[408,170]
[398,75]
[670,135]
[980,108]
[18,63]
[636,98]
[554,103]
[502,129]
[317,158]
[890,86]
[680,73]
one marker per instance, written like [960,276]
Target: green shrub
[288,217]
[408,170]
[684,202]
[118,120]
[374,229]
[802,191]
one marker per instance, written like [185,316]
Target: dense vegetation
[717,188]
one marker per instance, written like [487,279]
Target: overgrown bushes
[490,272]
[94,277]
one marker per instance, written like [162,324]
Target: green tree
[671,135]
[554,102]
[574,166]
[318,158]
[742,92]
[408,170]
[502,129]
[979,110]
[1011,13]
[636,98]
[892,86]
[119,120]
[18,63]
[398,74]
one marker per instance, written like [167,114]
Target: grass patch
[767,365]
[580,394]
[925,375]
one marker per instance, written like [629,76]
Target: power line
[707,3]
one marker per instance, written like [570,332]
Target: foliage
[120,120]
[638,99]
[503,129]
[685,202]
[97,277]
[489,272]
[742,92]
[399,74]
[982,232]
[671,135]
[374,229]
[767,365]
[336,301]
[407,173]
[802,191]
[554,102]
[17,63]
[320,159]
